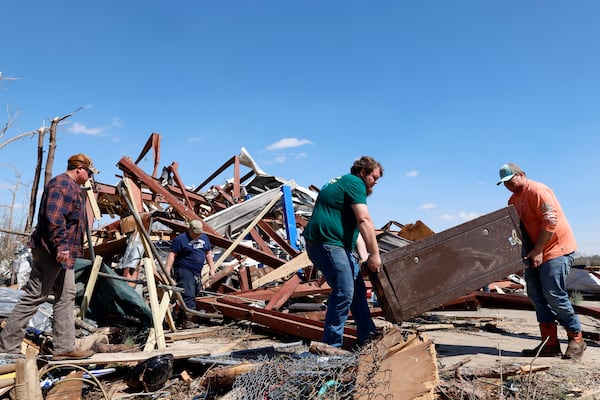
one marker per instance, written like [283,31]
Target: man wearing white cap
[548,247]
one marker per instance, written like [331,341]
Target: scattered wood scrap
[254,222]
[399,368]
[468,384]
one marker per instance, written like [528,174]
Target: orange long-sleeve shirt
[539,210]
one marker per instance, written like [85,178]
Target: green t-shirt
[333,221]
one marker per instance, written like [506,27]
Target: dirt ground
[490,338]
[479,340]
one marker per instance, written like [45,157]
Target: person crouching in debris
[56,242]
[187,255]
[548,247]
[339,215]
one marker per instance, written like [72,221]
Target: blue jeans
[191,284]
[546,288]
[348,293]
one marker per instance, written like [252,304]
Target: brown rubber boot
[551,348]
[576,345]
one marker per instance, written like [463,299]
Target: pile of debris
[264,297]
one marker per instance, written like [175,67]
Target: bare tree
[17,137]
[10,118]
[36,179]
[52,144]
[11,208]
[9,121]
[40,152]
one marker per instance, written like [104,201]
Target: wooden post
[148,249]
[89,289]
[27,382]
[91,200]
[153,334]
[157,317]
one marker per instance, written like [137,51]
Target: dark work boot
[186,322]
[576,345]
[189,324]
[551,348]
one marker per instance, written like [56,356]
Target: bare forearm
[361,249]
[169,263]
[536,255]
[367,232]
[210,262]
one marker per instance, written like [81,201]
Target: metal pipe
[138,281]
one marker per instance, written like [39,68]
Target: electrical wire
[45,370]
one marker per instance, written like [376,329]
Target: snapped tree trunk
[52,145]
[36,179]
[51,150]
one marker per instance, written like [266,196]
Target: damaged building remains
[260,316]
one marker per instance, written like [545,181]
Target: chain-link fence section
[307,376]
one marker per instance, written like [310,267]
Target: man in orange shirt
[548,247]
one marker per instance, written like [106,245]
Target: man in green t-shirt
[340,214]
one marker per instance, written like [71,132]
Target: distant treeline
[587,260]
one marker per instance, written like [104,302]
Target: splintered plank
[178,351]
[398,368]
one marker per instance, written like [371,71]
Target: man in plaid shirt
[56,243]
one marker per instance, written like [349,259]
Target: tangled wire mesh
[305,376]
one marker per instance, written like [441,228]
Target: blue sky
[442,93]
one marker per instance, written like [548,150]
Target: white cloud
[280,159]
[80,129]
[196,139]
[467,216]
[428,206]
[448,217]
[412,173]
[287,143]
[460,216]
